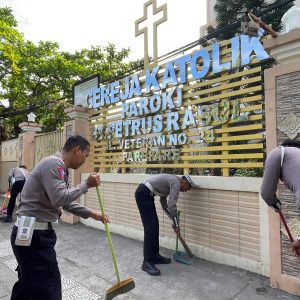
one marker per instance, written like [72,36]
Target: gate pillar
[26,143]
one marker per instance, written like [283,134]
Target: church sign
[199,110]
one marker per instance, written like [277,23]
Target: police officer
[16,180]
[282,163]
[47,190]
[162,185]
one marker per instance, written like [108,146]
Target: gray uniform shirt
[18,173]
[46,191]
[289,173]
[167,185]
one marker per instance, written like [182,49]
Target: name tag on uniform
[25,230]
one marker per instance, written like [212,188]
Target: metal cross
[144,30]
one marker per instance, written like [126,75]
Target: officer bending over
[282,163]
[46,190]
[162,185]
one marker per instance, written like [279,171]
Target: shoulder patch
[61,172]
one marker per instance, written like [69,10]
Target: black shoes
[150,268]
[8,219]
[158,259]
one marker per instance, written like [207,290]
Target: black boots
[158,259]
[8,219]
[149,266]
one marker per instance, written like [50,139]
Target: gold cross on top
[155,10]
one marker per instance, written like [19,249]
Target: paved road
[87,271]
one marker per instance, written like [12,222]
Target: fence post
[26,143]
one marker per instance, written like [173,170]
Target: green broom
[121,287]
[180,256]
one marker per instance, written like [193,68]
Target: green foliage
[249,172]
[10,41]
[228,12]
[40,77]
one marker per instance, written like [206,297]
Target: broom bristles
[182,257]
[119,288]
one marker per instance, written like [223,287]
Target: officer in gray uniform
[19,176]
[162,185]
[283,164]
[47,190]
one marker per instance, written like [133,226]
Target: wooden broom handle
[287,230]
[185,246]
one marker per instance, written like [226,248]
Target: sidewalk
[87,271]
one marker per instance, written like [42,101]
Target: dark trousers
[38,273]
[15,190]
[145,202]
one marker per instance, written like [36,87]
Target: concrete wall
[5,166]
[10,150]
[224,221]
[9,159]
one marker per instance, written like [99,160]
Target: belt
[149,186]
[19,179]
[38,225]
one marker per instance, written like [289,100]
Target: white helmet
[188,178]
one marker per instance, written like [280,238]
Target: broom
[7,196]
[183,243]
[288,231]
[181,256]
[185,246]
[121,287]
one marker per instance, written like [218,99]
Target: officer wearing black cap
[167,186]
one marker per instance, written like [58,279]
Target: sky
[80,24]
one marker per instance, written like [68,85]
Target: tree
[39,77]
[229,11]
[10,41]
